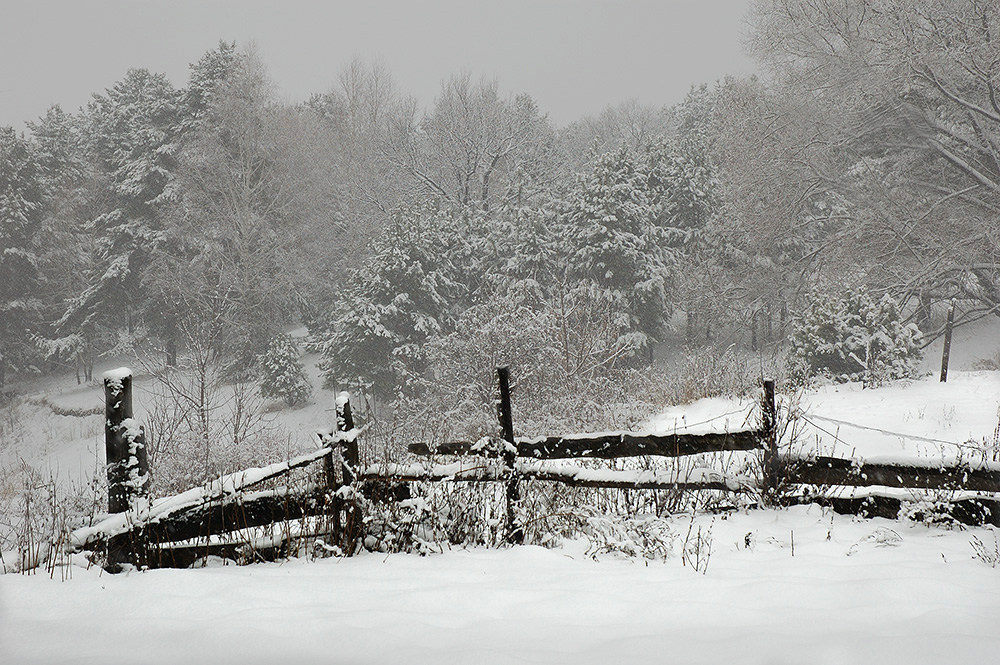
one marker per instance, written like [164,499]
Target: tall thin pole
[946,353]
[769,425]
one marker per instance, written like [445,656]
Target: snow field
[855,591]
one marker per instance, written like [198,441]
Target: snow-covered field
[854,591]
[799,585]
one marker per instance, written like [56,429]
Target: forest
[853,186]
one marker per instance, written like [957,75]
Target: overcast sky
[574,57]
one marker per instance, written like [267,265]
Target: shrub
[854,337]
[282,374]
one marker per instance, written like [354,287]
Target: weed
[988,555]
[697,549]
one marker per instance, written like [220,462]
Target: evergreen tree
[131,132]
[69,250]
[21,207]
[392,305]
[613,248]
[282,374]
[855,337]
[207,76]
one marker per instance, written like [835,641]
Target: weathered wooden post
[946,353]
[350,457]
[124,443]
[333,501]
[769,424]
[515,533]
[345,423]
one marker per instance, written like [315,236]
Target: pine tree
[21,206]
[132,131]
[282,374]
[67,178]
[207,76]
[392,305]
[854,337]
[614,250]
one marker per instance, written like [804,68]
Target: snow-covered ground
[849,590]
[853,591]
[922,418]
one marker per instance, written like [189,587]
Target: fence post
[349,453]
[515,533]
[946,353]
[124,443]
[769,423]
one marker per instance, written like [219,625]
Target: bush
[282,374]
[854,337]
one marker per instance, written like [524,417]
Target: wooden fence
[161,533]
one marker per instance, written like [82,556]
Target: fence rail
[603,445]
[827,471]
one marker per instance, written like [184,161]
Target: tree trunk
[946,352]
[691,327]
[924,314]
[172,349]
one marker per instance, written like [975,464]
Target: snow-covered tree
[902,119]
[854,336]
[613,248]
[392,305]
[282,374]
[20,219]
[476,148]
[251,194]
[71,193]
[132,131]
[207,76]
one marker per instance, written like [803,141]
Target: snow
[850,591]
[922,419]
[713,415]
[116,376]
[132,427]
[869,591]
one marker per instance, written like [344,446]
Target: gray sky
[574,57]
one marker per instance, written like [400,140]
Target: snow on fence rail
[568,474]
[153,533]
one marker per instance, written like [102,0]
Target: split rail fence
[177,530]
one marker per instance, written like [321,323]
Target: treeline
[209,218]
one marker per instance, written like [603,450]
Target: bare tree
[905,127]
[476,148]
